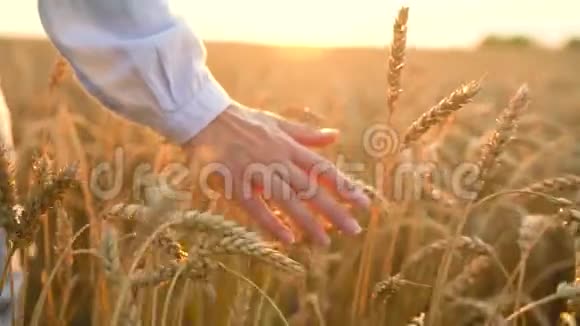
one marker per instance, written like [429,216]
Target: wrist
[204,135]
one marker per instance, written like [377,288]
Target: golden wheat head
[503,134]
[235,239]
[465,246]
[438,113]
[397,59]
[563,183]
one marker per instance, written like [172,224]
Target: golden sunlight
[350,23]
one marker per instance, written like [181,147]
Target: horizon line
[534,41]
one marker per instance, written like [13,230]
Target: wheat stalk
[64,232]
[240,309]
[111,258]
[115,275]
[463,294]
[503,134]
[465,246]
[396,61]
[420,268]
[563,183]
[438,113]
[564,292]
[532,228]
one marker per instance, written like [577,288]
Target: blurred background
[330,56]
[435,24]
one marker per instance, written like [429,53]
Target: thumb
[306,135]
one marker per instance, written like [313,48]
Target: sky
[433,23]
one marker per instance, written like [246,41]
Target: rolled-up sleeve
[138,60]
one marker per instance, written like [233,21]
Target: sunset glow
[363,22]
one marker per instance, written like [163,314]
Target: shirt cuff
[183,124]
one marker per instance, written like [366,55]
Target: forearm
[6,138]
[139,61]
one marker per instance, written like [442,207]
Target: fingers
[247,193]
[286,198]
[258,210]
[322,201]
[306,135]
[321,168]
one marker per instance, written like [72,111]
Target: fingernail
[353,227]
[362,199]
[329,131]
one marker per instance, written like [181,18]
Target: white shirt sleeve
[6,138]
[138,60]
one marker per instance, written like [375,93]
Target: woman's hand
[266,157]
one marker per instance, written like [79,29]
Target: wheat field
[499,124]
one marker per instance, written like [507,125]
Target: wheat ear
[397,59]
[503,134]
[392,285]
[197,266]
[139,213]
[228,236]
[235,239]
[465,246]
[43,198]
[51,190]
[563,183]
[438,113]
